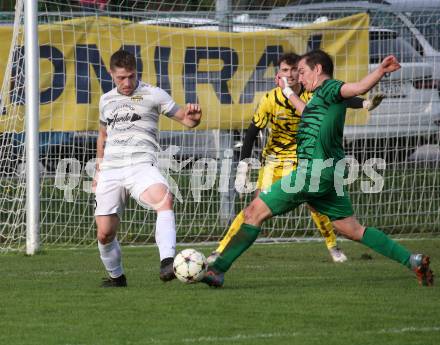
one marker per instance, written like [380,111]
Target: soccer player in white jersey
[127,150]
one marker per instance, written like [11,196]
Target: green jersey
[320,132]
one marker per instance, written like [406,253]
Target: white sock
[111,258]
[166,234]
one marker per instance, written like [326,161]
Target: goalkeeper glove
[371,104]
[287,91]
[240,177]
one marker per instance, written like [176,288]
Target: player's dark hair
[289,58]
[319,57]
[123,59]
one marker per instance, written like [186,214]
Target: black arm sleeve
[354,103]
[249,139]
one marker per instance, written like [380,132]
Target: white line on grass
[409,329]
[239,337]
[261,241]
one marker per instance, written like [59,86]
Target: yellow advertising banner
[226,73]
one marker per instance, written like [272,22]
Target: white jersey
[132,124]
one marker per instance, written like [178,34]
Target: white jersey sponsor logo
[132,124]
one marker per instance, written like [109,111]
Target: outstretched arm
[190,116]
[354,102]
[368,104]
[388,65]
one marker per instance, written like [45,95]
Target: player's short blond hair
[123,59]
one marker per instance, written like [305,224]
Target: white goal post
[32,127]
[222,54]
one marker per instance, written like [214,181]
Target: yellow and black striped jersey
[277,113]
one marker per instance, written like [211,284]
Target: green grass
[275,294]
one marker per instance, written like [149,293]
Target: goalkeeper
[279,154]
[319,179]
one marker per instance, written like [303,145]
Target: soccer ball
[190,266]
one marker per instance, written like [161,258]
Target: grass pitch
[274,294]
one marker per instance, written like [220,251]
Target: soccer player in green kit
[319,176]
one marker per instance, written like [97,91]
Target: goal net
[223,55]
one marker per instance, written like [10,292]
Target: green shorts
[326,201]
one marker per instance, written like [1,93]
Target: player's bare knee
[158,197]
[256,213]
[105,237]
[359,232]
[106,228]
[350,228]
[250,216]
[356,230]
[166,204]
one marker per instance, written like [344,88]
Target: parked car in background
[427,43]
[409,116]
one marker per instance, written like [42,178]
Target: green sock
[242,240]
[381,243]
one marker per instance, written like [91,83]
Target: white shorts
[114,185]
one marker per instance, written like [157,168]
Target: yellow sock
[235,226]
[325,227]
